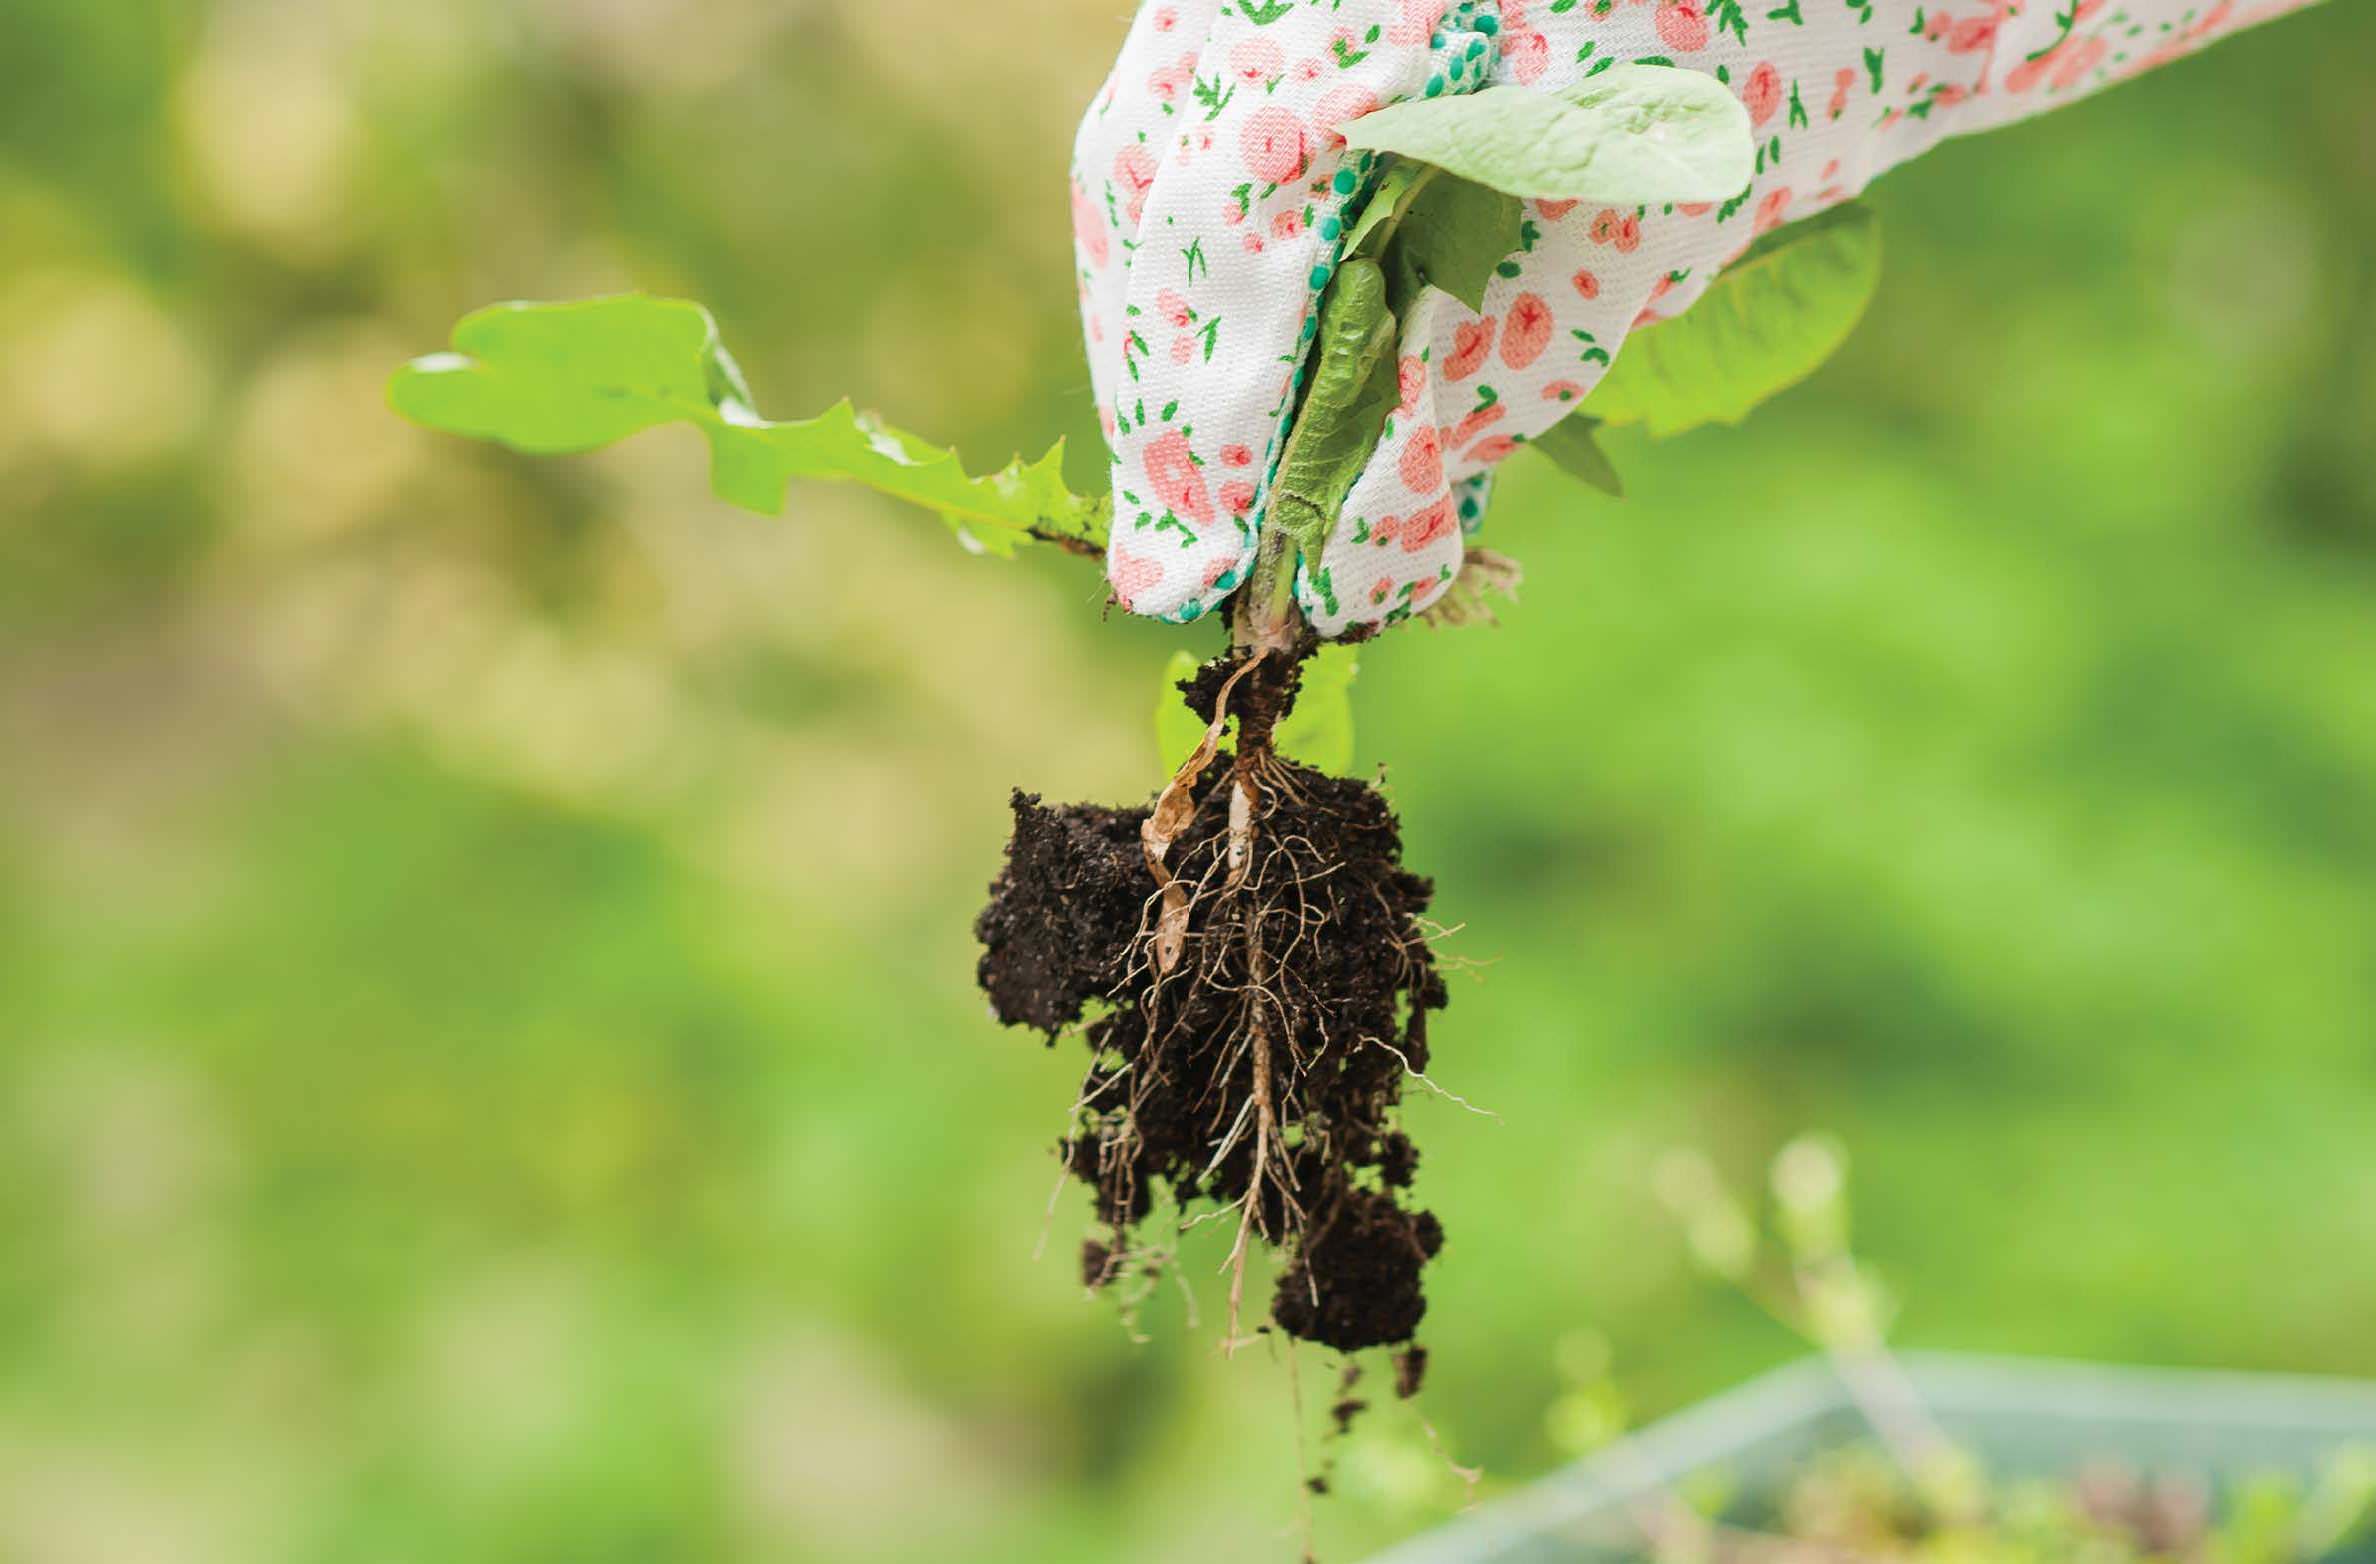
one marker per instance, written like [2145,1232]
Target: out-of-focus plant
[1913,1493]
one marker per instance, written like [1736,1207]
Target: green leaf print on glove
[556,379]
[1633,135]
[1766,323]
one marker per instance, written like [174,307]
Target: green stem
[1267,618]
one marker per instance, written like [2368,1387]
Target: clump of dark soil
[1250,1029]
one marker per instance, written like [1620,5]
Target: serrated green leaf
[555,379]
[1766,323]
[1634,135]
[1453,235]
[1319,732]
[1574,443]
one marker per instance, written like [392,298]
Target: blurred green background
[488,1063]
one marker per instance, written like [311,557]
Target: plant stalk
[1266,617]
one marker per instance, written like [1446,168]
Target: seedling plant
[1245,958]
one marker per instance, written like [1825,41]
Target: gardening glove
[1212,185]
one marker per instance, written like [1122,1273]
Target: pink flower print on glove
[1212,185]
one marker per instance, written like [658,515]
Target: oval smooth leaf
[1634,135]
[1767,322]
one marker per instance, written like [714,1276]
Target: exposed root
[1311,1482]
[1175,811]
[1242,802]
[1270,977]
[1266,1130]
[1039,1249]
[1469,1476]
[1451,1097]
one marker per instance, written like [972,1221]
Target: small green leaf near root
[1318,732]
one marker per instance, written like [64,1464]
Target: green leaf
[1634,135]
[1574,443]
[1453,235]
[1397,187]
[1766,323]
[1177,729]
[1419,227]
[555,379]
[1319,732]
[1351,390]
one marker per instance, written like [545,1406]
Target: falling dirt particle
[1348,1405]
[1097,1263]
[1410,1371]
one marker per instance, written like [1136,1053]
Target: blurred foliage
[486,1048]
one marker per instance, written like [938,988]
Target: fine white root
[1421,1077]
[1266,1139]
[1250,1207]
[1242,799]
[1470,1476]
[1303,1458]
[1039,1250]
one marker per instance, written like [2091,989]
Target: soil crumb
[1264,1071]
[1410,1371]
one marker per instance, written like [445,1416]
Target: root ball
[1263,1071]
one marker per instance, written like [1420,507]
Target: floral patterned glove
[1211,185]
